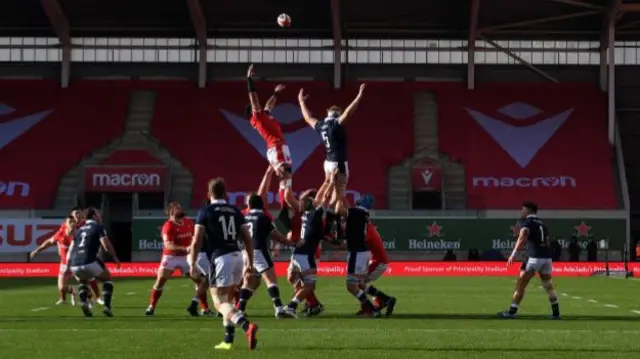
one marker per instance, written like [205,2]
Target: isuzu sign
[126,179]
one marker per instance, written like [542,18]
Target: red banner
[527,141]
[426,177]
[126,179]
[332,269]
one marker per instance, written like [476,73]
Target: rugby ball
[284,20]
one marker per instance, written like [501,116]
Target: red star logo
[583,229]
[434,229]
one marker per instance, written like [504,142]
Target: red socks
[95,288]
[155,297]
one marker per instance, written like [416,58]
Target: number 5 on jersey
[228,228]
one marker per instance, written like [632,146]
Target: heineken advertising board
[441,234]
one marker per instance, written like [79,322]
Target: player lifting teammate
[278,153]
[303,269]
[334,138]
[222,225]
[62,238]
[535,234]
[177,233]
[84,262]
[262,229]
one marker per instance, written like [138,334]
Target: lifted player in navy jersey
[84,261]
[535,234]
[222,226]
[357,221]
[302,268]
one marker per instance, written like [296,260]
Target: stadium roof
[452,19]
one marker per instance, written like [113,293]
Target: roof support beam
[580,3]
[540,21]
[609,36]
[337,43]
[61,27]
[519,59]
[473,35]
[200,27]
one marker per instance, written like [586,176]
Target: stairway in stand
[136,136]
[426,148]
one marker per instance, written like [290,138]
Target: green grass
[435,318]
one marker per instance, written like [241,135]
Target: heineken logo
[149,244]
[436,245]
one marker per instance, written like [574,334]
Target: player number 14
[228,229]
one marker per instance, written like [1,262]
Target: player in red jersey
[62,238]
[278,153]
[377,267]
[177,233]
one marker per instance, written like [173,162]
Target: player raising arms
[303,269]
[222,225]
[357,223]
[334,138]
[535,234]
[278,153]
[84,262]
[177,233]
[62,238]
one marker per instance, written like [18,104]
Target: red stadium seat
[207,130]
[45,131]
[541,142]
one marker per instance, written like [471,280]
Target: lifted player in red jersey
[62,238]
[177,233]
[278,153]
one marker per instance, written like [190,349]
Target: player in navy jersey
[262,231]
[222,226]
[302,268]
[535,234]
[85,264]
[334,138]
[357,221]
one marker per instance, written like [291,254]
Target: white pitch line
[131,293]
[39,309]
[592,301]
[611,306]
[635,311]
[324,330]
[577,298]
[564,294]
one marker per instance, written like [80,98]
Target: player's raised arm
[265,184]
[253,95]
[46,244]
[306,114]
[271,103]
[348,112]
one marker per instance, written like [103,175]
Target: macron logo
[301,142]
[521,143]
[10,130]
[426,176]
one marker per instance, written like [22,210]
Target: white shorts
[87,271]
[330,166]
[262,261]
[278,155]
[538,265]
[203,264]
[172,263]
[358,263]
[376,270]
[305,264]
[226,270]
